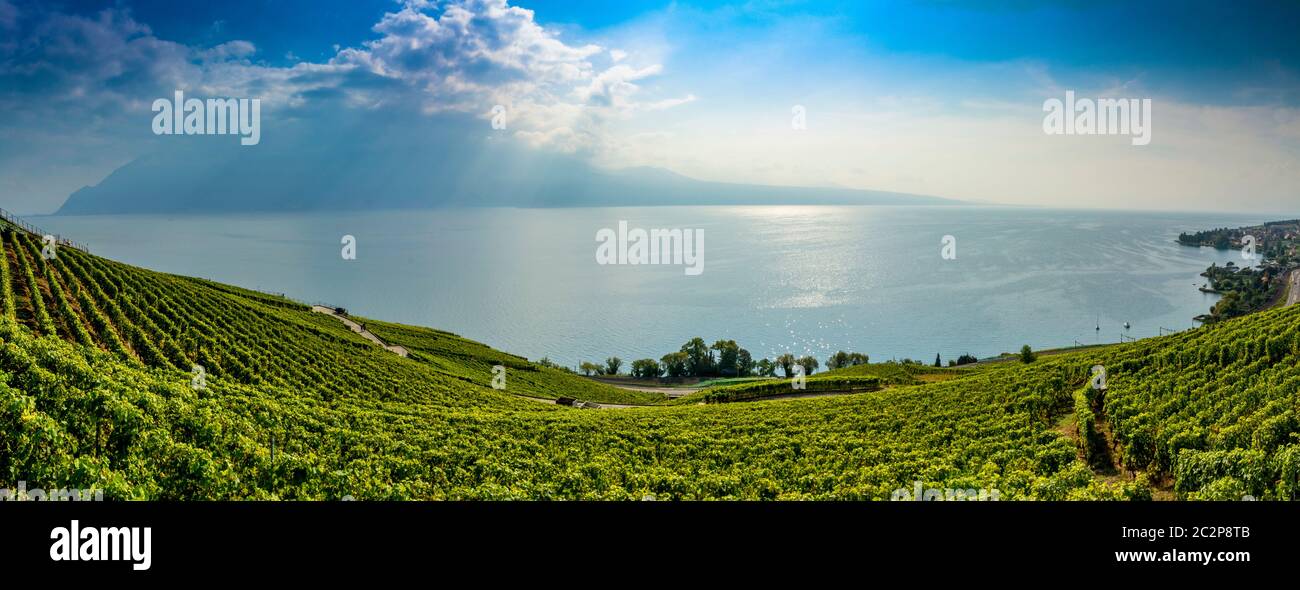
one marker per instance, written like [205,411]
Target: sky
[936,97]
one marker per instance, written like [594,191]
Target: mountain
[196,178]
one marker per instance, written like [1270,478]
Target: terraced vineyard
[96,391]
[151,320]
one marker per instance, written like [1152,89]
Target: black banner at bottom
[165,541]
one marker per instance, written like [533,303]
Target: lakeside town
[1269,273]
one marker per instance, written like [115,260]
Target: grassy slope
[472,361]
[1211,410]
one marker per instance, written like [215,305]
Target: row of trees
[965,359]
[611,367]
[723,358]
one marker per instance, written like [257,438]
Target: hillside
[95,390]
[159,321]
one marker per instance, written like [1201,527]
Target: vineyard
[775,388]
[98,388]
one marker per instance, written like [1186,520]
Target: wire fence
[22,224]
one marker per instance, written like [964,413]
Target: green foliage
[1027,354]
[842,359]
[8,303]
[754,390]
[646,369]
[676,364]
[299,407]
[897,373]
[472,362]
[787,363]
[1091,441]
[1210,474]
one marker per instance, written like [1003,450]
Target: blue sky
[938,97]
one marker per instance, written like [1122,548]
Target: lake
[806,280]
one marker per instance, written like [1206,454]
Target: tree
[612,365]
[728,357]
[1027,354]
[937,361]
[766,368]
[843,359]
[699,359]
[809,364]
[744,363]
[967,359]
[675,364]
[786,362]
[588,368]
[646,369]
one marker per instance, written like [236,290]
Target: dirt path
[402,352]
[355,327]
[669,392]
[600,406]
[1293,289]
[666,391]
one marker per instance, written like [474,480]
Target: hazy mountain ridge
[232,180]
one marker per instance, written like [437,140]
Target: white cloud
[669,103]
[478,53]
[614,87]
[229,50]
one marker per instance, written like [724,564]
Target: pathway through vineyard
[368,335]
[402,352]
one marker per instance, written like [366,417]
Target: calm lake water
[807,280]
